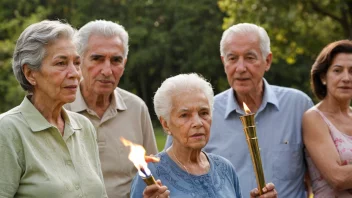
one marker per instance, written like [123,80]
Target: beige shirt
[37,161]
[128,117]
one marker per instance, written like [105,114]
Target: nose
[106,70]
[347,76]
[240,66]
[197,121]
[74,71]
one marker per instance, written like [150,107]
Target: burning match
[138,158]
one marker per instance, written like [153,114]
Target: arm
[10,165]
[322,150]
[149,142]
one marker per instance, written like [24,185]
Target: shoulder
[10,118]
[219,160]
[289,93]
[312,116]
[129,98]
[222,95]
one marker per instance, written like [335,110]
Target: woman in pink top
[327,127]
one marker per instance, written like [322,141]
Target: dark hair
[323,62]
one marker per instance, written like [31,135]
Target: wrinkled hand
[269,192]
[151,158]
[156,191]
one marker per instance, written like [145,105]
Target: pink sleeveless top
[343,145]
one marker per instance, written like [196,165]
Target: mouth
[106,81]
[71,87]
[197,135]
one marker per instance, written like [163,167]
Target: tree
[298,31]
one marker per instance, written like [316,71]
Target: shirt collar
[37,121]
[268,97]
[80,105]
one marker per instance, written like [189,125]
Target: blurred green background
[160,137]
[168,37]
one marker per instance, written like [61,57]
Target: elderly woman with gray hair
[45,150]
[183,105]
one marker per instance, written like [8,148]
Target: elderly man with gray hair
[246,56]
[114,112]
[45,150]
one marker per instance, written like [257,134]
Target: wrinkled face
[103,64]
[339,77]
[190,120]
[244,63]
[59,75]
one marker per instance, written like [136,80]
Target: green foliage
[298,30]
[172,37]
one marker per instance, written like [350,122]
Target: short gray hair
[247,28]
[103,28]
[175,85]
[30,47]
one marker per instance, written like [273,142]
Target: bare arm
[322,150]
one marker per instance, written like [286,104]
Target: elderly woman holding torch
[45,150]
[183,105]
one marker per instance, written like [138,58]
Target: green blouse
[36,161]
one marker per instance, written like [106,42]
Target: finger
[159,182]
[270,194]
[160,192]
[150,190]
[151,159]
[254,192]
[270,186]
[166,194]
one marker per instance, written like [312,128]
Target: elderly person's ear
[29,74]
[165,125]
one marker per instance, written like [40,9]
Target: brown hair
[323,62]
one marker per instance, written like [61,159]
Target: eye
[204,113]
[61,63]
[183,115]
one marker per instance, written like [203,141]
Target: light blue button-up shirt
[279,131]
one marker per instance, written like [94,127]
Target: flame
[137,153]
[246,109]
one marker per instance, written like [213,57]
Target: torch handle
[149,180]
[256,160]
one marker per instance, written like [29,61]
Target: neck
[99,103]
[51,110]
[252,99]
[333,105]
[193,161]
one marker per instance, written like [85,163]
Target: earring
[324,83]
[168,132]
[33,83]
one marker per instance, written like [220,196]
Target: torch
[249,129]
[137,157]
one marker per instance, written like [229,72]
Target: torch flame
[137,153]
[246,109]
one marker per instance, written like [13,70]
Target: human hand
[269,192]
[156,191]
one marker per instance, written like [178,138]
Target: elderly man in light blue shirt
[245,53]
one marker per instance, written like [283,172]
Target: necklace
[178,161]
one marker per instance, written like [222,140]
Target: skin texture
[245,67]
[56,83]
[336,107]
[103,65]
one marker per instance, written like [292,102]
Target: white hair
[177,85]
[245,28]
[30,47]
[103,28]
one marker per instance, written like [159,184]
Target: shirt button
[77,187]
[68,162]
[80,196]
